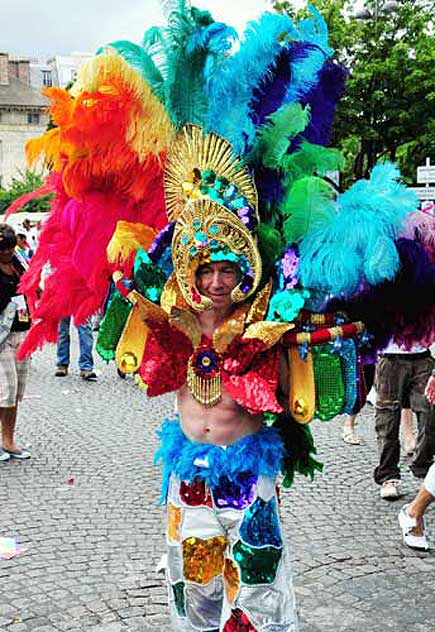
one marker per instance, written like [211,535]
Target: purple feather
[402,309]
[323,100]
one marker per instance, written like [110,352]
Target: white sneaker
[4,456]
[390,490]
[407,524]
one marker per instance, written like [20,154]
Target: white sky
[41,28]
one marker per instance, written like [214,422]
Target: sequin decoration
[179,600]
[231,580]
[174,520]
[238,622]
[203,559]
[236,494]
[329,382]
[348,358]
[260,526]
[195,494]
[257,566]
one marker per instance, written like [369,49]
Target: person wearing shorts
[15,322]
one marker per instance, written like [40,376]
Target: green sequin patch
[257,566]
[329,382]
[180,604]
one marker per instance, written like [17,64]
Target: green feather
[307,207]
[275,136]
[309,159]
[269,245]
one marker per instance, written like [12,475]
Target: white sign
[424,193]
[426,174]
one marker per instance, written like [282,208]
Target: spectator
[411,515]
[14,322]
[401,377]
[86,340]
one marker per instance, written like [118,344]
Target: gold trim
[260,305]
[194,150]
[207,392]
[232,327]
[171,295]
[186,322]
[267,331]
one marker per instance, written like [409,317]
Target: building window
[32,118]
[46,78]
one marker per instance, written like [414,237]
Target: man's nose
[216,279]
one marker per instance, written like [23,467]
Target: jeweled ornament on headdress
[212,197]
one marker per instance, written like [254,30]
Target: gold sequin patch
[231,580]
[203,559]
[174,521]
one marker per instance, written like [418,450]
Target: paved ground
[94,535]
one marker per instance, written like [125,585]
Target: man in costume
[200,169]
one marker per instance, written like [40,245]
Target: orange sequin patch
[174,521]
[231,580]
[203,559]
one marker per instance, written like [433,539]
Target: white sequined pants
[228,568]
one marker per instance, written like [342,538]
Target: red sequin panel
[164,364]
[195,494]
[238,622]
[255,388]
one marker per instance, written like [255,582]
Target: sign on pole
[424,193]
[426,174]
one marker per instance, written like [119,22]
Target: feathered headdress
[220,152]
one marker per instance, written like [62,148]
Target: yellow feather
[127,238]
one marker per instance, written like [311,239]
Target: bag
[6,319]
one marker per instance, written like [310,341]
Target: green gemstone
[196,224]
[214,229]
[208,176]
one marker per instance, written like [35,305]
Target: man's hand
[430,389]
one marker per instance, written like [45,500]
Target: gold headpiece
[212,197]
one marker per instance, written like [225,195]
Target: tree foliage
[26,182]
[388,109]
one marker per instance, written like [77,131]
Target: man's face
[217,280]
[6,255]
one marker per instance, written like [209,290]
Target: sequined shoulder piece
[149,311]
[186,322]
[267,331]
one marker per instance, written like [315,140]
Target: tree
[388,110]
[27,182]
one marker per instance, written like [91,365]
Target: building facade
[23,115]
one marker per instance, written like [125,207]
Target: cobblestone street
[85,508]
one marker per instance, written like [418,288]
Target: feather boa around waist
[260,453]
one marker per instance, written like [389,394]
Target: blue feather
[231,89]
[358,244]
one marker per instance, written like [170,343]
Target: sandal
[408,524]
[350,437]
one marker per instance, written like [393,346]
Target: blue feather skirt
[260,454]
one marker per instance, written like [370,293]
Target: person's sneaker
[61,371]
[90,376]
[390,490]
[4,456]
[408,526]
[18,454]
